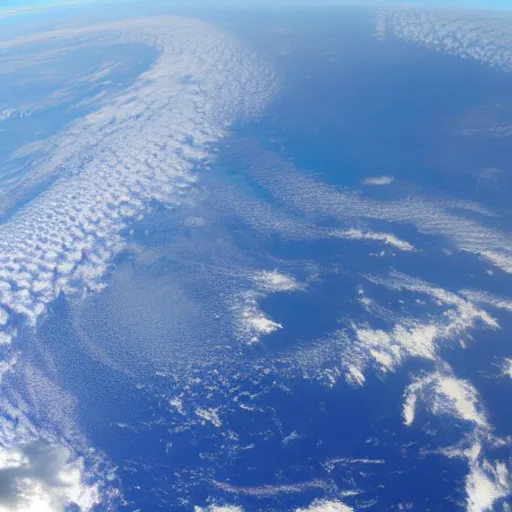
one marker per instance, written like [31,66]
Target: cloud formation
[386,238]
[46,478]
[140,146]
[487,482]
[378,180]
[468,34]
[250,321]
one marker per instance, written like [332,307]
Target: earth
[255,259]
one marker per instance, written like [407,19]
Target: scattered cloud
[468,34]
[218,508]
[441,217]
[210,415]
[445,394]
[64,240]
[105,169]
[266,491]
[506,368]
[387,238]
[250,321]
[326,506]
[378,180]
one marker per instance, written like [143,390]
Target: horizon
[9,8]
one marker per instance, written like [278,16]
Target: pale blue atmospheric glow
[14,7]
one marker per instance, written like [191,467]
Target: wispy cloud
[386,238]
[251,323]
[378,180]
[6,13]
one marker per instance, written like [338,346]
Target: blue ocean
[231,360]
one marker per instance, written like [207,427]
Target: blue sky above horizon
[15,5]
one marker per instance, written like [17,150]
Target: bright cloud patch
[506,368]
[43,478]
[275,282]
[445,394]
[209,415]
[409,336]
[378,180]
[326,506]
[251,322]
[386,238]
[468,34]
[218,508]
[486,483]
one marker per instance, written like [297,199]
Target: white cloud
[486,483]
[250,321]
[43,478]
[480,297]
[330,464]
[378,180]
[506,368]
[403,334]
[273,282]
[315,200]
[387,238]
[266,491]
[210,415]
[445,394]
[467,34]
[140,146]
[326,506]
[410,337]
[219,508]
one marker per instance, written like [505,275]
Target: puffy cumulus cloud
[468,34]
[250,321]
[45,462]
[486,484]
[209,415]
[409,336]
[404,332]
[39,477]
[378,180]
[386,238]
[506,368]
[326,506]
[445,394]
